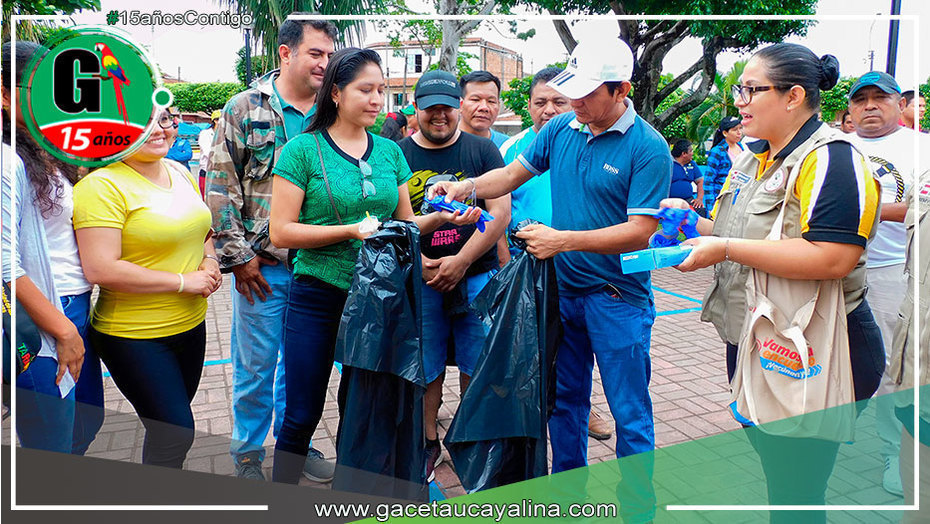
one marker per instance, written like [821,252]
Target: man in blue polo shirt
[609,170]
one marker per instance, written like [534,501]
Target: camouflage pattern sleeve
[224,190]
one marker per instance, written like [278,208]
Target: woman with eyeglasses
[727,147]
[326,182]
[143,233]
[831,213]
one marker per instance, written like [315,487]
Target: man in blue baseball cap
[875,105]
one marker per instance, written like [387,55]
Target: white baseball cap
[593,62]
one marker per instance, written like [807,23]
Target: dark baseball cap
[437,88]
[881,80]
[729,122]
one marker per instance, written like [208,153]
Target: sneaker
[891,480]
[249,466]
[317,468]
[433,458]
[598,428]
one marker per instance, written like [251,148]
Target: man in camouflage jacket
[253,128]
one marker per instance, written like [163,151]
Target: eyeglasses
[368,187]
[745,93]
[167,121]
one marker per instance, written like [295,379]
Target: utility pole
[893,38]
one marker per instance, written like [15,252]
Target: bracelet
[474,188]
[726,250]
[181,287]
[212,257]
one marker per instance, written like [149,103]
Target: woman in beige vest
[830,214]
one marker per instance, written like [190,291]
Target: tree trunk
[449,50]
[454,30]
[564,32]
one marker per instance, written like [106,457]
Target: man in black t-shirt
[457,260]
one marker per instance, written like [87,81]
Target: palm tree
[704,118]
[40,31]
[268,15]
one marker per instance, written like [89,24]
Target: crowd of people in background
[289,174]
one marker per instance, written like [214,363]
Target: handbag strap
[329,191]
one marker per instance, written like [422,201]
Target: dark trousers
[310,327]
[803,479]
[159,377]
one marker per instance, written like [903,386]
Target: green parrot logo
[115,73]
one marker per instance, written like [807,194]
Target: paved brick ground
[689,392]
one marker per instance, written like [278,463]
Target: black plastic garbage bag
[380,442]
[499,435]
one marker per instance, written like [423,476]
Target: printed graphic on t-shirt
[882,168]
[419,185]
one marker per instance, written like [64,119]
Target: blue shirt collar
[622,125]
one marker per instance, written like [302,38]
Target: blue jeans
[44,420]
[88,392]
[159,377]
[257,354]
[602,325]
[311,323]
[466,329]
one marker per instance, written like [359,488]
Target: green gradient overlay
[722,469]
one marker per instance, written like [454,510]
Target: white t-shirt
[892,159]
[205,140]
[62,246]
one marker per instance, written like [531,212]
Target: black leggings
[159,377]
[803,479]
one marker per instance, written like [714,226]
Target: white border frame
[530,17]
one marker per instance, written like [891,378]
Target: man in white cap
[609,169]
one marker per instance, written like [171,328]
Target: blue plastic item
[439,204]
[671,220]
[653,258]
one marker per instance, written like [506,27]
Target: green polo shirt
[294,121]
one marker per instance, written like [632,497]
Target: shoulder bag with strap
[292,253]
[793,374]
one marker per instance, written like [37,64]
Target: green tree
[261,64]
[678,128]
[652,40]
[834,101]
[206,97]
[38,31]
[517,99]
[518,96]
[704,119]
[268,15]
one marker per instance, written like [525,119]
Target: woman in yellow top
[830,215]
[143,235]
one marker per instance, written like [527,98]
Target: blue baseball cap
[881,80]
[437,88]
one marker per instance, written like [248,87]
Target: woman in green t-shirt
[327,181]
